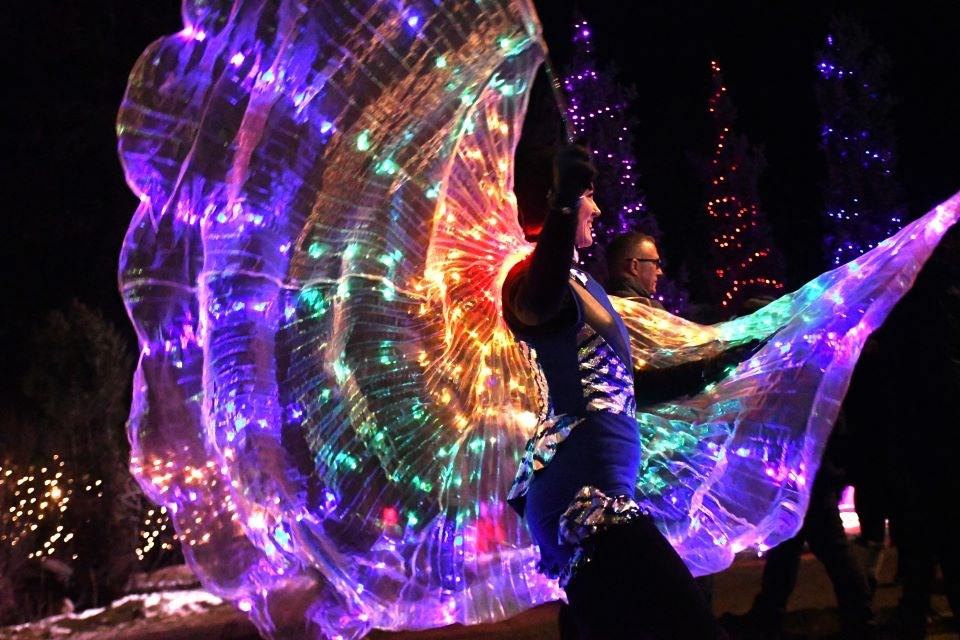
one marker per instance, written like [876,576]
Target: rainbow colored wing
[327,398]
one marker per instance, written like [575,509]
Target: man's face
[646,266]
[586,212]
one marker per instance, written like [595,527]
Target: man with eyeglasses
[633,265]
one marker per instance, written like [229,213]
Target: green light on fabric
[388,167]
[363,141]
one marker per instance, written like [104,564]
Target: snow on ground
[168,612]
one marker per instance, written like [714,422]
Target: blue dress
[587,435]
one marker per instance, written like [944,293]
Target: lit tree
[50,519]
[597,108]
[863,200]
[77,387]
[745,263]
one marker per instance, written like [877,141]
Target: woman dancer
[576,481]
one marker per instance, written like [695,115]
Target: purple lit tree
[864,202]
[597,106]
[745,262]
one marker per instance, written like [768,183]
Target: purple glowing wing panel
[322,398]
[732,467]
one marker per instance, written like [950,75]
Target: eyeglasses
[656,261]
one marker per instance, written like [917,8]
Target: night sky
[66,205]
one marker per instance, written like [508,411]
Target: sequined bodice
[578,372]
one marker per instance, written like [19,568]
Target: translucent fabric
[732,467]
[327,399]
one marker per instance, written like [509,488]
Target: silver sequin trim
[591,512]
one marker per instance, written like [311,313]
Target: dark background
[66,206]
[767,51]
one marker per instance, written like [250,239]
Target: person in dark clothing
[918,350]
[867,468]
[576,482]
[823,531]
[633,266]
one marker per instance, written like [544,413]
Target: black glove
[573,173]
[719,365]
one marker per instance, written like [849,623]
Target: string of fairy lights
[156,534]
[862,198]
[33,502]
[742,255]
[35,508]
[596,108]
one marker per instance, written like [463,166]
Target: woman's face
[586,212]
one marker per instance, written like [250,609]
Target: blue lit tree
[863,201]
[744,262]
